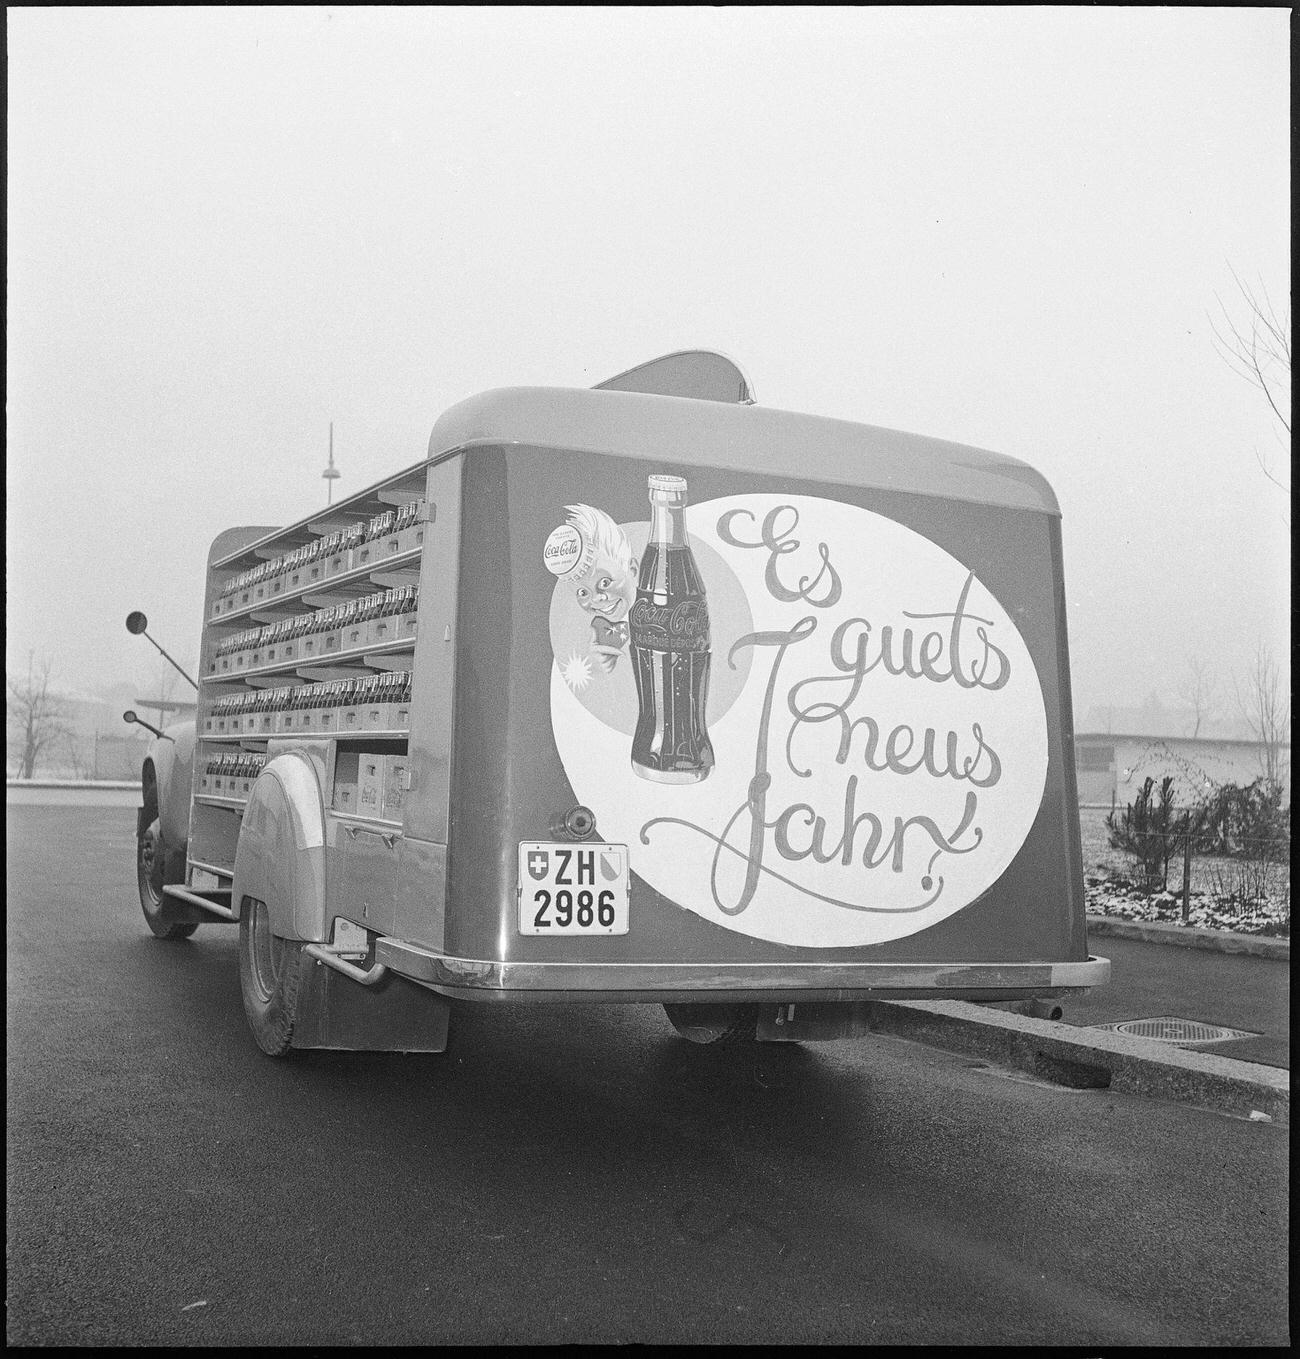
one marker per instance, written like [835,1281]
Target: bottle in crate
[265,721]
[416,531]
[396,719]
[372,548]
[329,553]
[310,705]
[348,627]
[291,574]
[408,613]
[349,710]
[287,643]
[307,707]
[352,537]
[313,642]
[371,628]
[254,658]
[329,629]
[319,703]
[368,714]
[379,702]
[289,711]
[313,562]
[350,630]
[274,576]
[381,628]
[407,526]
[385,703]
[325,713]
[276,700]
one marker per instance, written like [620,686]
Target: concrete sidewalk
[1248,1077]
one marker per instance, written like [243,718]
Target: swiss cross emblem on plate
[538,864]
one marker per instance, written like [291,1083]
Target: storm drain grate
[1168,1029]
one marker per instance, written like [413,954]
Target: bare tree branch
[1267,710]
[1261,355]
[1263,467]
[1198,692]
[40,716]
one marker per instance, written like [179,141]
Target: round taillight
[579,822]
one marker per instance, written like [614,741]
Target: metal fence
[1257,872]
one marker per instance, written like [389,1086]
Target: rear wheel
[153,873]
[270,972]
[724,1025]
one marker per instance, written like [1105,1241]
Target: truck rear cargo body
[650,698]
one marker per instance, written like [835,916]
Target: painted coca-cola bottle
[669,634]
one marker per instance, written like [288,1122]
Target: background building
[1111,767]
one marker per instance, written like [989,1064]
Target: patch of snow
[1127,900]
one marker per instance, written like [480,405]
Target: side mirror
[131,716]
[136,623]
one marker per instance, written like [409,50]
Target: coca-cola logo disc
[808,723]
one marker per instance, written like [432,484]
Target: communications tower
[331,473]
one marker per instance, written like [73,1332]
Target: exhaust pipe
[1038,1008]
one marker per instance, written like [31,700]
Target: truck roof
[743,437]
[736,435]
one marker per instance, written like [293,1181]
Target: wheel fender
[280,857]
[172,758]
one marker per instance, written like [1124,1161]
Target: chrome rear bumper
[488,979]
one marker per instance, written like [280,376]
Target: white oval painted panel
[877,725]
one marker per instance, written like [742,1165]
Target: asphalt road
[1237,990]
[571,1173]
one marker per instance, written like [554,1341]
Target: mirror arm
[183,675]
[129,716]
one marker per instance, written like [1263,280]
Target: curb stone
[1090,1058]
[1221,941]
[87,785]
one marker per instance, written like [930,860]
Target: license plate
[573,889]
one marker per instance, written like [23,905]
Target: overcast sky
[1005,227]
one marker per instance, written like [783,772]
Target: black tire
[154,870]
[716,1025]
[270,974]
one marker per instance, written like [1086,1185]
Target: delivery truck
[641,693]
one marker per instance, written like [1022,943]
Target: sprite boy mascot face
[605,584]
